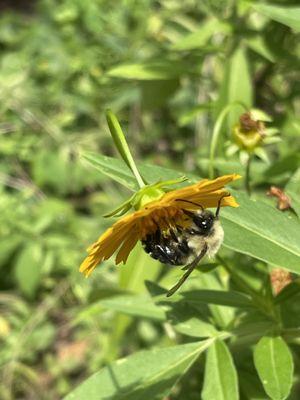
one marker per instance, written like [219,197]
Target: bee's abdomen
[166,249]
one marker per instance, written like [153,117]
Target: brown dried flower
[280,278]
[284,202]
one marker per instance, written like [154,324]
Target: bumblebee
[187,246]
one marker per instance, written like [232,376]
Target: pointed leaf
[195,327]
[28,269]
[200,38]
[220,379]
[144,375]
[220,297]
[155,70]
[274,364]
[289,16]
[258,44]
[115,169]
[237,86]
[122,146]
[118,170]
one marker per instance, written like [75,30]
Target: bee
[187,246]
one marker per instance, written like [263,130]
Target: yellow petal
[126,248]
[218,183]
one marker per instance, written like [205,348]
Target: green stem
[216,134]
[122,146]
[247,175]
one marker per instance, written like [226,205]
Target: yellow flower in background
[249,137]
[248,133]
[251,134]
[164,212]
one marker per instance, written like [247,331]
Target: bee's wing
[189,269]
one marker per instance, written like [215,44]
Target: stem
[247,175]
[122,146]
[216,134]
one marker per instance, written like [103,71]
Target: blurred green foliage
[168,69]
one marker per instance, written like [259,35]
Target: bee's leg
[165,254]
[184,247]
[173,235]
[189,270]
[157,234]
[158,247]
[175,247]
[185,267]
[179,229]
[179,247]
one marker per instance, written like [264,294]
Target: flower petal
[203,187]
[106,245]
[126,248]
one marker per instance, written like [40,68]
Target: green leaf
[157,70]
[252,325]
[219,297]
[189,319]
[258,44]
[28,269]
[274,364]
[195,327]
[138,306]
[216,134]
[8,247]
[200,37]
[118,170]
[122,146]
[42,337]
[144,375]
[113,168]
[289,16]
[249,229]
[237,86]
[220,379]
[240,83]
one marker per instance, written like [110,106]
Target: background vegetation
[167,69]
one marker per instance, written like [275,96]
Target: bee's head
[204,221]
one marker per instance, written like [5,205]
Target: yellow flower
[248,133]
[165,212]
